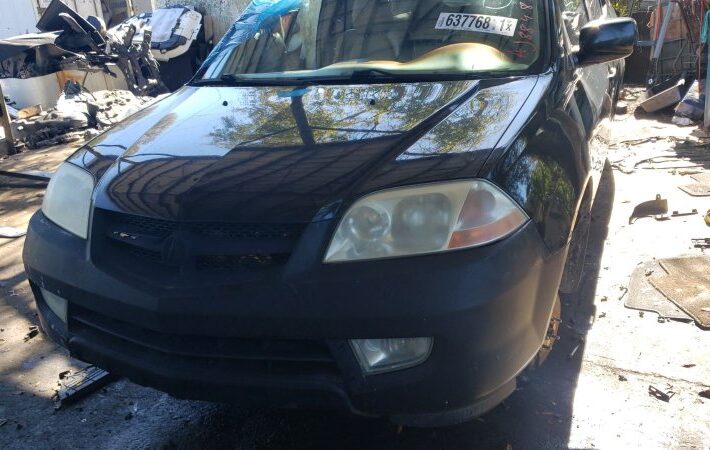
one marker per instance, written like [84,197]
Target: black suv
[364,205]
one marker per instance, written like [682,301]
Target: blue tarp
[259,14]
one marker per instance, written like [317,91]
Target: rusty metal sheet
[643,296]
[687,284]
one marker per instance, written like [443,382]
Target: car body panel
[281,154]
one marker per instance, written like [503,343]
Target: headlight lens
[67,201]
[425,219]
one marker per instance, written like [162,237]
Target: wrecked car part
[665,396]
[71,42]
[27,179]
[696,189]
[176,41]
[33,332]
[644,296]
[173,29]
[657,209]
[76,111]
[701,243]
[136,61]
[682,214]
[687,284]
[11,232]
[78,385]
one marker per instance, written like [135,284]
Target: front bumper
[284,342]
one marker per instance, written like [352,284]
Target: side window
[574,15]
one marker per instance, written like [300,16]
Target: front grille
[236,262]
[248,356]
[137,243]
[213,229]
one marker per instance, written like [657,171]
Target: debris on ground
[11,232]
[664,95]
[645,297]
[652,208]
[70,42]
[692,212]
[78,385]
[34,331]
[686,283]
[665,396]
[78,115]
[705,394]
[691,107]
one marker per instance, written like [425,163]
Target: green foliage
[622,7]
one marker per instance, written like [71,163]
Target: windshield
[375,38]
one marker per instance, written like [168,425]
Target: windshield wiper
[361,74]
[231,79]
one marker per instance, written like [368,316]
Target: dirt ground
[591,393]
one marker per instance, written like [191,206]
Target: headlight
[67,201]
[425,219]
[386,355]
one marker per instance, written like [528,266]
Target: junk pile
[172,40]
[78,115]
[668,47]
[70,42]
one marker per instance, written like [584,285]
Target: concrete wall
[223,12]
[17,17]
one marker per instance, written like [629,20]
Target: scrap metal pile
[70,42]
[77,116]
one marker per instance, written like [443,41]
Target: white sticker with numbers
[477,22]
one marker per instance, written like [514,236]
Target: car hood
[278,154]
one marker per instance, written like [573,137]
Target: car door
[591,107]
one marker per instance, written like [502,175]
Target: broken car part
[78,385]
[652,208]
[682,214]
[701,243]
[71,42]
[644,296]
[687,284]
[665,396]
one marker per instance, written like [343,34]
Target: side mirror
[602,41]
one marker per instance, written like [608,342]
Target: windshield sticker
[477,22]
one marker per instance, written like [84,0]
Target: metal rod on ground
[5,122]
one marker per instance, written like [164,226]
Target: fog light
[57,304]
[384,355]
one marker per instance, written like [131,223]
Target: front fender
[546,170]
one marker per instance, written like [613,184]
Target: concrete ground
[591,393]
